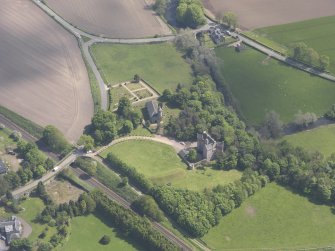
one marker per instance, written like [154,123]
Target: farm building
[155,111]
[3,168]
[10,229]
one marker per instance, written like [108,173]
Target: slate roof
[152,107]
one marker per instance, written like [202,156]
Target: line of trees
[301,52]
[132,225]
[198,212]
[138,179]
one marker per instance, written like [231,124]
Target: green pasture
[316,33]
[261,84]
[158,64]
[86,231]
[320,139]
[274,218]
[31,208]
[160,163]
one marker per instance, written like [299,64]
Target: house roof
[3,167]
[152,107]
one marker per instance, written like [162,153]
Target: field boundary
[248,34]
[25,124]
[94,86]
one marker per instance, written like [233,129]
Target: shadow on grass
[108,222]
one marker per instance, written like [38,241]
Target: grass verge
[29,126]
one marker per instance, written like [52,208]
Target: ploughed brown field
[261,13]
[42,74]
[111,18]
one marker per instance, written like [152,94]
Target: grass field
[33,206]
[261,84]
[321,139]
[160,163]
[316,33]
[158,64]
[274,218]
[86,231]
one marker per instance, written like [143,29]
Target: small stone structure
[10,229]
[207,146]
[155,111]
[3,168]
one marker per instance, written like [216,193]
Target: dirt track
[42,74]
[261,13]
[111,18]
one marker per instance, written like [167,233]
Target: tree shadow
[106,220]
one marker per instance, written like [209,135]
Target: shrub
[105,240]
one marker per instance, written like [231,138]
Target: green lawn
[316,33]
[260,85]
[158,64]
[274,218]
[321,139]
[160,163]
[86,231]
[32,207]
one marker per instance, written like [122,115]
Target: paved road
[157,138]
[121,201]
[284,59]
[48,176]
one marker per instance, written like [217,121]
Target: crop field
[111,18]
[317,33]
[158,64]
[261,84]
[160,163]
[274,218]
[260,13]
[86,231]
[42,74]
[320,139]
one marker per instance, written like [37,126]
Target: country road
[284,59]
[48,176]
[121,201]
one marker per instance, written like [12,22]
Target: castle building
[207,146]
[10,229]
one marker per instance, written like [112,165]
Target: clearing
[317,33]
[261,13]
[6,143]
[42,74]
[320,139]
[87,238]
[62,191]
[274,218]
[160,65]
[261,84]
[160,163]
[111,18]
